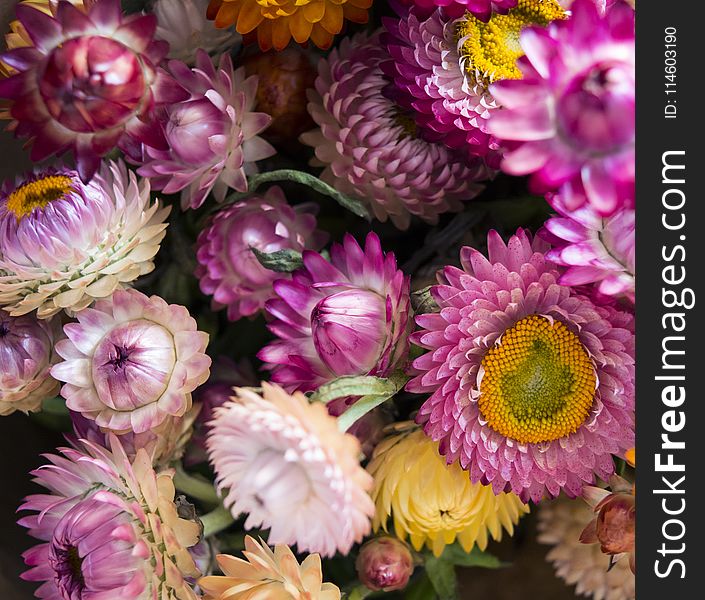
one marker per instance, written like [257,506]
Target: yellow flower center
[538,383]
[491,49]
[37,194]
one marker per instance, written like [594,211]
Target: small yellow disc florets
[490,50]
[538,383]
[37,194]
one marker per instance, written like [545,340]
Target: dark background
[23,440]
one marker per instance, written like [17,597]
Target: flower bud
[385,564]
[615,524]
[26,356]
[284,78]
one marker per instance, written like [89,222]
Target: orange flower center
[538,383]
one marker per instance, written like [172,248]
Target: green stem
[303,178]
[195,487]
[216,521]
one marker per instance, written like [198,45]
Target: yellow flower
[434,503]
[277,21]
[266,574]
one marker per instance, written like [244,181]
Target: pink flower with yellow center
[131,362]
[531,384]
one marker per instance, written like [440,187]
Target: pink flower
[64,243]
[286,465]
[570,120]
[26,357]
[229,270]
[347,316]
[108,527]
[597,250]
[482,9]
[369,146]
[131,362]
[429,73]
[89,82]
[208,142]
[531,385]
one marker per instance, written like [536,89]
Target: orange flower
[277,21]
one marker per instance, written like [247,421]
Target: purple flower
[531,385]
[89,82]
[108,527]
[597,250]
[347,316]
[208,142]
[26,357]
[64,243]
[228,269]
[570,120]
[131,362]
[368,143]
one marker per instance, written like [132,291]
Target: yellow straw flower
[277,21]
[434,503]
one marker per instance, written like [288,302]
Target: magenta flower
[347,316]
[89,82]
[64,243]
[570,120]
[26,357]
[430,78]
[108,527]
[228,269]
[531,385]
[482,9]
[369,147]
[131,362]
[597,250]
[210,141]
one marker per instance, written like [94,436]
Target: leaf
[352,204]
[281,261]
[363,385]
[423,302]
[421,589]
[442,575]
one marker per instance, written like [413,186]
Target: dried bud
[385,563]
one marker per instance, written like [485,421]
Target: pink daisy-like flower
[531,385]
[26,357]
[64,243]
[109,528]
[430,78]
[482,9]
[89,82]
[570,120]
[228,269]
[209,142]
[597,250]
[131,362]
[369,146]
[347,316]
[287,466]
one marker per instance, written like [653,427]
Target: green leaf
[359,593]
[442,575]
[281,261]
[363,385]
[352,204]
[423,302]
[475,558]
